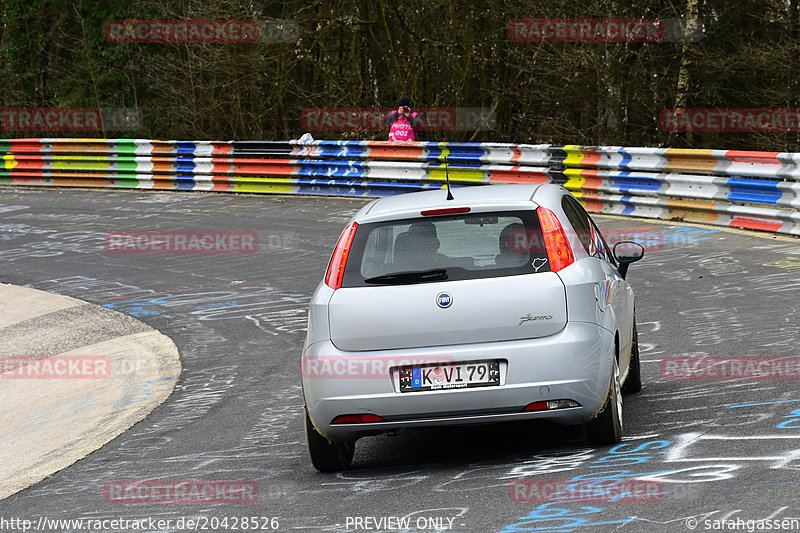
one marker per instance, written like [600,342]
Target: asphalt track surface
[721,449]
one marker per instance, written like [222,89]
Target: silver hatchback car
[504,303]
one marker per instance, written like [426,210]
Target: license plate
[449,376]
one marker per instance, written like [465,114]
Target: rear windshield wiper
[434,274]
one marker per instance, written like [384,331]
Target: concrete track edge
[54,415]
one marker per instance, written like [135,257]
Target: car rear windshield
[446,248]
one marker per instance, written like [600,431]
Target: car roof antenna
[447,178]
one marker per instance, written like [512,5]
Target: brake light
[559,252]
[536,406]
[551,405]
[335,272]
[445,211]
[356,419]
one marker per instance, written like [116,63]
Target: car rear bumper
[574,364]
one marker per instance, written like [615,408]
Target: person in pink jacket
[403,122]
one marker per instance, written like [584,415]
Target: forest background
[446,54]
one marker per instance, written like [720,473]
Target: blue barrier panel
[754,191]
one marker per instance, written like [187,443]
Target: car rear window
[466,246]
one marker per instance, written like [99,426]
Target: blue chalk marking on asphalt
[564,519]
[687,234]
[654,237]
[128,397]
[135,307]
[761,403]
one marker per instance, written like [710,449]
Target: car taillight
[536,406]
[356,419]
[551,405]
[335,272]
[559,252]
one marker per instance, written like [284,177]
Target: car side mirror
[627,252]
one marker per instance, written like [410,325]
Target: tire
[327,456]
[606,428]
[634,381]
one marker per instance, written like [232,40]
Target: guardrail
[755,190]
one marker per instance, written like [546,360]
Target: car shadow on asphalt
[458,445]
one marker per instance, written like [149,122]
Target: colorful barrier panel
[755,190]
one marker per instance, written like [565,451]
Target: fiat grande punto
[504,303]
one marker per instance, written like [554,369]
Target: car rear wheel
[634,381]
[327,456]
[606,428]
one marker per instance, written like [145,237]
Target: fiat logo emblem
[444,300]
